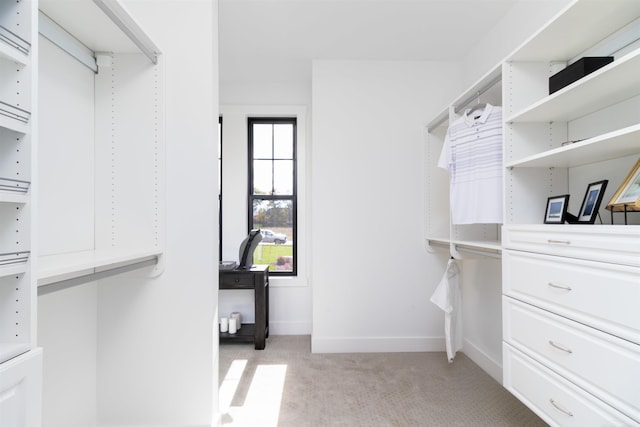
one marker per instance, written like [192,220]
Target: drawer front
[21,390]
[614,244]
[605,296]
[236,281]
[605,366]
[554,399]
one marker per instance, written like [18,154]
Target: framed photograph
[556,209]
[628,194]
[591,202]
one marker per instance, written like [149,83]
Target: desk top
[256,268]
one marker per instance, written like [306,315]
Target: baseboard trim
[482,359]
[376,344]
[289,328]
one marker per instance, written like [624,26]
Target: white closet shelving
[103,204]
[17,149]
[20,360]
[566,287]
[128,173]
[483,239]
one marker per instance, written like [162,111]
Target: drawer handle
[559,242]
[560,408]
[560,347]
[563,287]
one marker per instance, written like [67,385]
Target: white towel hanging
[448,297]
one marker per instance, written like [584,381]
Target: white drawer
[605,296]
[607,243]
[21,389]
[554,399]
[604,365]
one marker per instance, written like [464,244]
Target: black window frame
[220,165]
[293,197]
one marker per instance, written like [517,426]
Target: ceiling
[267,39]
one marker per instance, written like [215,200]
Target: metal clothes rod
[492,253]
[483,252]
[65,41]
[75,281]
[484,89]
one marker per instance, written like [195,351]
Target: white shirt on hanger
[472,153]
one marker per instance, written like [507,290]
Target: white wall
[522,21]
[67,330]
[157,345]
[67,321]
[372,276]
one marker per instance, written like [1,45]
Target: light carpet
[285,385]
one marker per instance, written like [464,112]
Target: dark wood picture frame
[591,202]
[556,210]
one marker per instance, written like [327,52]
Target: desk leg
[260,312]
[266,307]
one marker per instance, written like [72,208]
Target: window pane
[262,177]
[283,177]
[275,220]
[283,141]
[262,141]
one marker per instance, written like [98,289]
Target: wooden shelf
[604,87]
[246,334]
[612,145]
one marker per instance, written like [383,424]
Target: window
[272,192]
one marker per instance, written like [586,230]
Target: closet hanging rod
[492,253]
[80,280]
[57,35]
[491,83]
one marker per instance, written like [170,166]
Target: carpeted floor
[287,386]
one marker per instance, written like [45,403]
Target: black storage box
[576,71]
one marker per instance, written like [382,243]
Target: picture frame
[556,209]
[627,196]
[591,202]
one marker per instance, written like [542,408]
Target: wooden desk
[256,278]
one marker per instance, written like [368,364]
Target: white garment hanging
[448,297]
[472,153]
